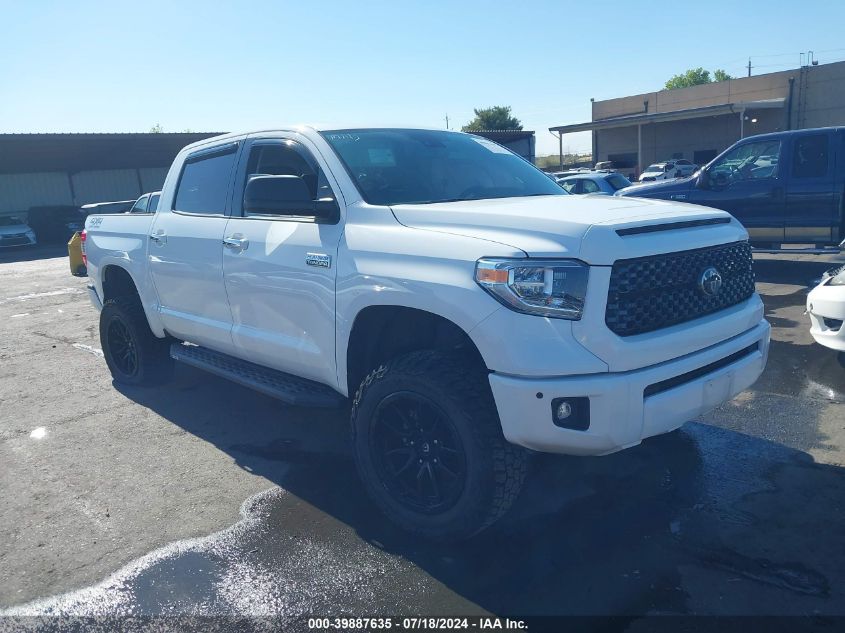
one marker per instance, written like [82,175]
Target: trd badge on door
[319,260]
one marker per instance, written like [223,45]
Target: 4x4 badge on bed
[710,282]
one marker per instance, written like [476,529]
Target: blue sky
[86,66]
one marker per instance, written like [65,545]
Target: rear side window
[141,205]
[810,156]
[618,181]
[589,186]
[204,184]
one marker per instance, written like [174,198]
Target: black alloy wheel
[417,452]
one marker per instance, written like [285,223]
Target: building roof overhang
[644,118]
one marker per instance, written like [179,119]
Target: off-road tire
[495,469]
[154,365]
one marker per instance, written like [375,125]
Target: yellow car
[76,255]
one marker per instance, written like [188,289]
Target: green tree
[696,77]
[156,129]
[495,118]
[692,77]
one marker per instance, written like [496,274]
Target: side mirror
[285,195]
[277,195]
[703,180]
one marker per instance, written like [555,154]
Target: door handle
[159,238]
[236,243]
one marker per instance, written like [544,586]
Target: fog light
[564,410]
[571,413]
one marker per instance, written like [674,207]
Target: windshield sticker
[344,137]
[382,157]
[493,147]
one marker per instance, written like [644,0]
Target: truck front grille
[650,293]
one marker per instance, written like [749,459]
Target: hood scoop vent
[671,226]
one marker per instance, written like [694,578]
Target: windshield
[395,166]
[656,167]
[9,221]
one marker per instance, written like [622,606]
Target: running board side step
[285,387]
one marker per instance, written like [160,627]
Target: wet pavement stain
[792,577]
[252,567]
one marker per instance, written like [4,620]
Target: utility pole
[749,66]
[447,121]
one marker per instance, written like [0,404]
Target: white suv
[678,168]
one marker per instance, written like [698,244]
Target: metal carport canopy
[644,118]
[674,115]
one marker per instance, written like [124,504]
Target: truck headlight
[836,276]
[552,288]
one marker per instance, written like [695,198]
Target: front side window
[751,161]
[396,166]
[288,158]
[153,202]
[570,185]
[204,183]
[809,158]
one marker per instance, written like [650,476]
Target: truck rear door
[186,250]
[811,211]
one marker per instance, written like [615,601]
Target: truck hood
[657,187]
[582,227]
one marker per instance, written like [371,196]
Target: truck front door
[810,209]
[186,251]
[746,182]
[279,267]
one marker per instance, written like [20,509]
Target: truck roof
[314,129]
[786,133]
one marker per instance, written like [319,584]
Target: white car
[826,307]
[678,168]
[14,232]
[455,299]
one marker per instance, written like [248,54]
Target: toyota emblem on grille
[710,282]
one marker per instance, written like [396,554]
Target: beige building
[697,123]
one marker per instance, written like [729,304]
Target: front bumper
[620,414]
[9,241]
[826,307]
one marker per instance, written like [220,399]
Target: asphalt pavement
[204,498]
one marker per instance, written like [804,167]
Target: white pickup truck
[458,302]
